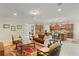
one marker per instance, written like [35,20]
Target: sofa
[39,39]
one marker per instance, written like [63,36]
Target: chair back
[54,48]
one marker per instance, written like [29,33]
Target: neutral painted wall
[46,27]
[6,34]
[76,31]
[25,33]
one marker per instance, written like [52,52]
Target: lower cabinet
[1,49]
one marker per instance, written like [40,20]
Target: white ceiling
[48,12]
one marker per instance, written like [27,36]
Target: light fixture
[34,12]
[59,9]
[59,3]
[15,14]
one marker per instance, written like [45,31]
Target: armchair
[16,38]
[53,50]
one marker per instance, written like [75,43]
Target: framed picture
[19,26]
[13,28]
[6,25]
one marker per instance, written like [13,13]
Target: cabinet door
[69,35]
[55,27]
[62,37]
[1,49]
[38,28]
[68,26]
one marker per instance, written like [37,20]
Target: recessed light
[15,14]
[34,12]
[59,9]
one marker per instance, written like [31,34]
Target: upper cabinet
[55,27]
[67,26]
[39,28]
[59,27]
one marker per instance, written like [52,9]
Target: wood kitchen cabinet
[69,35]
[55,27]
[67,28]
[1,49]
[38,28]
[62,37]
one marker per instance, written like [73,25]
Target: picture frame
[13,28]
[6,26]
[19,26]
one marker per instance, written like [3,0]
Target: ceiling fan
[59,4]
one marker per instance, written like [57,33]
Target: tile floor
[69,49]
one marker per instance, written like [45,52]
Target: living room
[42,29]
